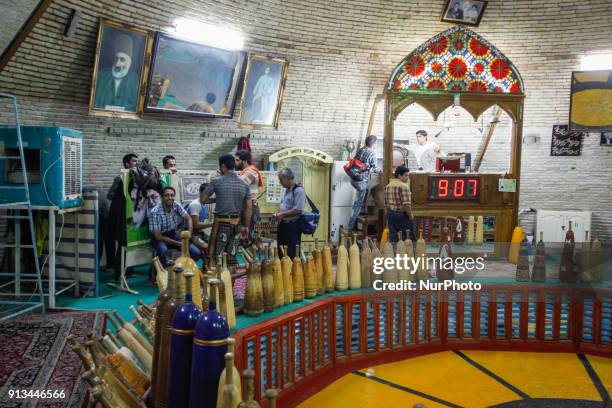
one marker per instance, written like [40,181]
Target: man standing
[198,211]
[424,151]
[397,202]
[367,156]
[250,175]
[115,230]
[164,226]
[169,163]
[292,204]
[117,86]
[232,203]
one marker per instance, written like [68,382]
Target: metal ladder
[12,308]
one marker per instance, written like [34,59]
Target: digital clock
[450,188]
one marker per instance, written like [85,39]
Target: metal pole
[51,257]
[17,257]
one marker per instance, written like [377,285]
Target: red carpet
[34,355]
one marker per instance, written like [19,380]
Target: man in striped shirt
[367,156]
[397,202]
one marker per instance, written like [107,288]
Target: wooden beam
[486,140]
[377,101]
[25,31]
[388,140]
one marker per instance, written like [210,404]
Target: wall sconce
[531,139]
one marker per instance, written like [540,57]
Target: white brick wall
[340,54]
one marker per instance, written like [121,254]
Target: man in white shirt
[424,151]
[198,211]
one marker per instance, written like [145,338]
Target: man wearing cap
[117,86]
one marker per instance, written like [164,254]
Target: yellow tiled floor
[451,379]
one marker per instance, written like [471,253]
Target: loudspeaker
[73,21]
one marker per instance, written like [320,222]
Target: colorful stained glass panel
[457,60]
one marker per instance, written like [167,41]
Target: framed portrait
[264,85]
[591,101]
[193,78]
[606,139]
[466,12]
[120,70]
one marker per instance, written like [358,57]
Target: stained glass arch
[457,60]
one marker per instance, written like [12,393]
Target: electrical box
[507,185]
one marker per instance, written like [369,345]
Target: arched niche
[457,67]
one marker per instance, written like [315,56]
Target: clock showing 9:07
[450,188]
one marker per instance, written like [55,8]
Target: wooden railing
[303,350]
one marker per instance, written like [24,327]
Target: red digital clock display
[453,188]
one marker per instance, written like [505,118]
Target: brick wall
[340,54]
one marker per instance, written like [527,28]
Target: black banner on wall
[565,142]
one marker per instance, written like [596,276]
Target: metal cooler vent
[71,148]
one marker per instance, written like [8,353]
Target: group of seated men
[235,215]
[234,193]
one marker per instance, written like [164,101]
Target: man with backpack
[364,161]
[292,204]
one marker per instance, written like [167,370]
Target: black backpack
[308,221]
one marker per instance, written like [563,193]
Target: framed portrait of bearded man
[120,71]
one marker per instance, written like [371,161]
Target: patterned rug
[35,355]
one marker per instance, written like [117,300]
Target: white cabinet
[342,197]
[554,225]
[342,192]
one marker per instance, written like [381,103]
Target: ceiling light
[209,34]
[596,62]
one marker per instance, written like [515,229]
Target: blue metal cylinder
[180,356]
[208,358]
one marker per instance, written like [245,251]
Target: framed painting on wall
[193,78]
[591,101]
[119,70]
[466,12]
[264,85]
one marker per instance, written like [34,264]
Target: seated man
[198,211]
[164,226]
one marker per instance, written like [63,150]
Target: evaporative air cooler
[54,163]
